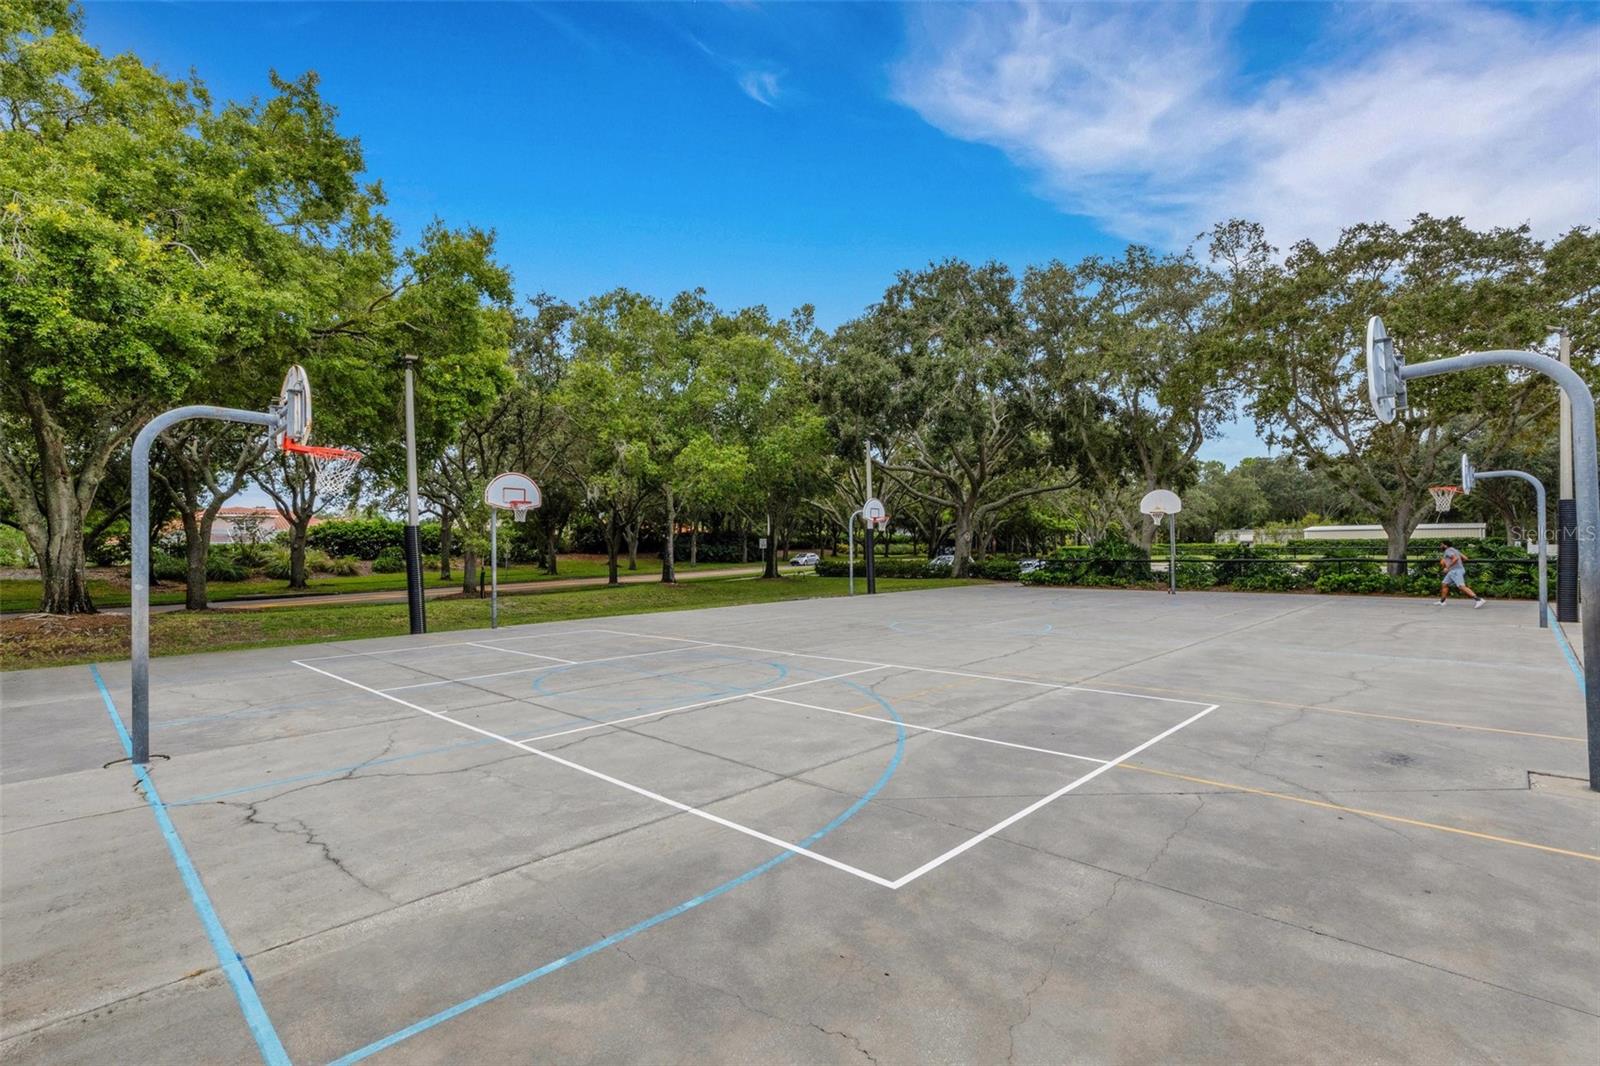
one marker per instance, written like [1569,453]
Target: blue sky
[781,154]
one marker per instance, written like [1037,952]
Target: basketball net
[334,466]
[520,509]
[1444,497]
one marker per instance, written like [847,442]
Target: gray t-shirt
[1453,560]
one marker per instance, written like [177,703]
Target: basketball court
[956,825]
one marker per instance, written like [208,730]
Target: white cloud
[1139,116]
[760,86]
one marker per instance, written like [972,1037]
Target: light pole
[872,574]
[1566,505]
[414,598]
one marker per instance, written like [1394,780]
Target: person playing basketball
[1454,565]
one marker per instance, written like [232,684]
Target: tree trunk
[52,520]
[444,546]
[61,563]
[669,571]
[550,550]
[694,543]
[297,552]
[963,542]
[469,569]
[197,550]
[744,546]
[630,534]
[613,542]
[770,555]
[1398,531]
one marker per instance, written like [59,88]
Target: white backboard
[295,400]
[1160,502]
[1385,388]
[512,491]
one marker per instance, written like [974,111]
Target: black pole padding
[419,616]
[872,577]
[1566,560]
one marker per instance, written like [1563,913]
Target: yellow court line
[1240,698]
[1302,799]
[1365,813]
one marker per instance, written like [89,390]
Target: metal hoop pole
[1172,548]
[1586,475]
[1538,497]
[494,568]
[850,524]
[139,519]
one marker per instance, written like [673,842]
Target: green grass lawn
[183,632]
[23,594]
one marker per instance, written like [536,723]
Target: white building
[1426,531]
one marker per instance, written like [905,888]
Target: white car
[945,559]
[1028,566]
[805,559]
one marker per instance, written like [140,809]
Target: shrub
[1272,577]
[113,547]
[220,566]
[166,567]
[278,567]
[1367,581]
[251,556]
[390,561]
[365,538]
[14,548]
[1194,574]
[997,569]
[344,566]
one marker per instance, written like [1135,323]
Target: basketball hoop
[334,466]
[520,509]
[1444,496]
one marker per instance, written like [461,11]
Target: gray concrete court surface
[963,825]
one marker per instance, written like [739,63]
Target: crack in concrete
[1167,843]
[1050,966]
[298,827]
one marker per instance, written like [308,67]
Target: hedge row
[237,562]
[1504,581]
[366,538]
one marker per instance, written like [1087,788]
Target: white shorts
[1456,576]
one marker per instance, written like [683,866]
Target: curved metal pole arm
[1586,482]
[1544,551]
[139,521]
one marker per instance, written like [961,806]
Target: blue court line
[232,963]
[1572,660]
[655,919]
[559,727]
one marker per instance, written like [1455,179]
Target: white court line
[931,729]
[447,644]
[1057,794]
[923,669]
[525,654]
[694,706]
[529,669]
[684,807]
